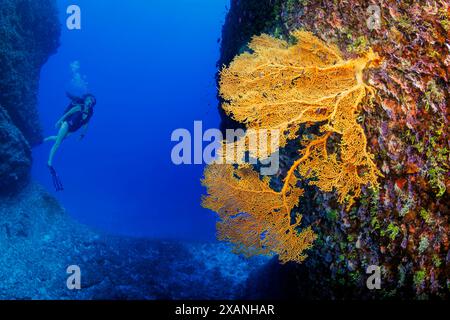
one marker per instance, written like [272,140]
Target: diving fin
[56,180]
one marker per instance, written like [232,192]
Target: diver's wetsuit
[75,120]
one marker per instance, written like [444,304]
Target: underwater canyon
[401,226]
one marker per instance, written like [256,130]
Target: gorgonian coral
[253,216]
[281,87]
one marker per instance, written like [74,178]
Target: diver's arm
[84,130]
[64,117]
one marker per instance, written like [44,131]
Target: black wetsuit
[75,120]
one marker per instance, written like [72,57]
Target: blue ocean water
[151,64]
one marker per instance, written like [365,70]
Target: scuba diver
[76,116]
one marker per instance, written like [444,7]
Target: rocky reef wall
[403,227]
[29,33]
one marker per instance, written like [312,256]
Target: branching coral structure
[278,86]
[253,216]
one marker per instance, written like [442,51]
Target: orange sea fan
[279,87]
[253,216]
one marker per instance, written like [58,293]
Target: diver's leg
[51,138]
[63,131]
